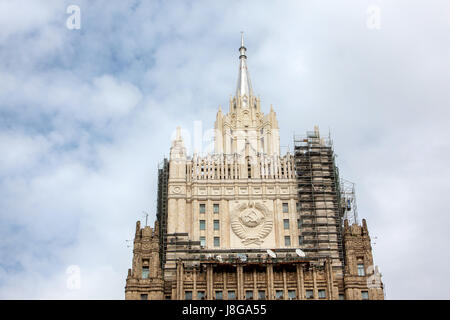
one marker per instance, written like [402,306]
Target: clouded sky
[87,114]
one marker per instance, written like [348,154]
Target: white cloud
[20,151]
[20,16]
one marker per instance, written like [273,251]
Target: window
[298,206]
[219,295]
[300,239]
[286,224]
[248,295]
[202,225]
[299,223]
[216,242]
[322,294]
[292,295]
[341,296]
[145,272]
[216,208]
[279,294]
[188,295]
[202,208]
[287,241]
[262,295]
[200,295]
[144,296]
[285,207]
[361,269]
[231,295]
[309,294]
[203,241]
[216,225]
[365,295]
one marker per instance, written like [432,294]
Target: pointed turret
[245,130]
[178,151]
[244,86]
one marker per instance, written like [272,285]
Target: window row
[287,240]
[203,225]
[285,206]
[202,208]
[286,224]
[216,241]
[279,294]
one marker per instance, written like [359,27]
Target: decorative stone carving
[177,190]
[251,222]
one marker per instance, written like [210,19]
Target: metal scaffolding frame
[179,247]
[349,201]
[161,209]
[320,206]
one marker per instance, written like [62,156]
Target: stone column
[300,282]
[330,280]
[269,272]
[240,282]
[225,223]
[255,286]
[209,282]
[285,295]
[278,212]
[181,216]
[195,220]
[224,277]
[194,276]
[315,293]
[180,277]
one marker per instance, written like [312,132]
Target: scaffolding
[161,209]
[320,207]
[179,247]
[349,201]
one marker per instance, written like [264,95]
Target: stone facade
[220,213]
[287,277]
[145,278]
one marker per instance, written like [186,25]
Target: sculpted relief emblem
[251,222]
[176,190]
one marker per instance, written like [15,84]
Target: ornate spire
[178,151]
[244,86]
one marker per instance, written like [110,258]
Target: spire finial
[244,86]
[242,49]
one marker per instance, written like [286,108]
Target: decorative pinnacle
[242,49]
[244,86]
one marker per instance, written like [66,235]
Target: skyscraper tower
[246,222]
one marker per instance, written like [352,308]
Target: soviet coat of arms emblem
[251,222]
